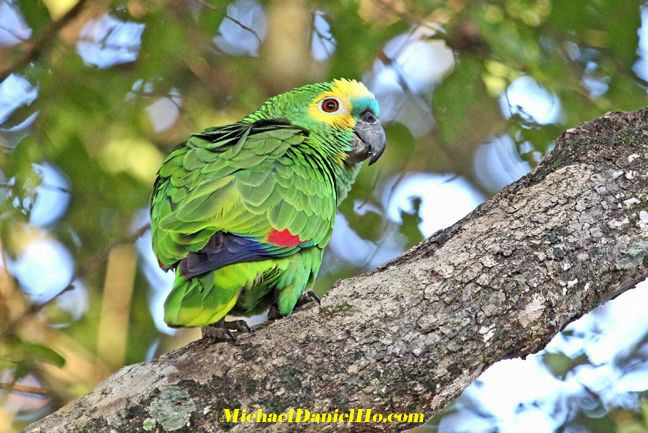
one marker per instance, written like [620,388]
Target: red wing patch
[284,238]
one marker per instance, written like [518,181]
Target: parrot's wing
[241,193]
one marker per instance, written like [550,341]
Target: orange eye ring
[330,105]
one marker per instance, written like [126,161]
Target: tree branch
[25,388]
[411,335]
[37,45]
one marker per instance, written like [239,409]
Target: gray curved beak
[370,142]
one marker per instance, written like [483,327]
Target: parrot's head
[337,111]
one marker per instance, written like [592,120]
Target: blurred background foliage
[94,93]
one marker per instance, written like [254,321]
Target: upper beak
[371,143]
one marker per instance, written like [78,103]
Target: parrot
[243,212]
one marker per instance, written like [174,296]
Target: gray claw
[313,297]
[307,297]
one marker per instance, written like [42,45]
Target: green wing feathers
[249,187]
[262,184]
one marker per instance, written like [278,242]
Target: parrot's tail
[197,301]
[244,287]
[207,298]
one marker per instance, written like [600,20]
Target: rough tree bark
[411,335]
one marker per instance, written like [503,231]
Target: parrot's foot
[307,297]
[237,325]
[222,330]
[273,313]
[217,333]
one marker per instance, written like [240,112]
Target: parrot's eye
[330,105]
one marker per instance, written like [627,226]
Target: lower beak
[370,143]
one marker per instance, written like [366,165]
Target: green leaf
[410,225]
[560,364]
[35,14]
[466,115]
[27,353]
[41,353]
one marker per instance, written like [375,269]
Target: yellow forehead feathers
[350,88]
[344,91]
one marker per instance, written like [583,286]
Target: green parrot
[243,212]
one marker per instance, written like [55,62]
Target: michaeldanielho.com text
[304,415]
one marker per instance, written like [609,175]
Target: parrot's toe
[217,332]
[237,325]
[307,297]
[273,313]
[312,296]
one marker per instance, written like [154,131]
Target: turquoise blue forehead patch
[364,103]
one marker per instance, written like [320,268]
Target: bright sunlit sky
[45,267]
